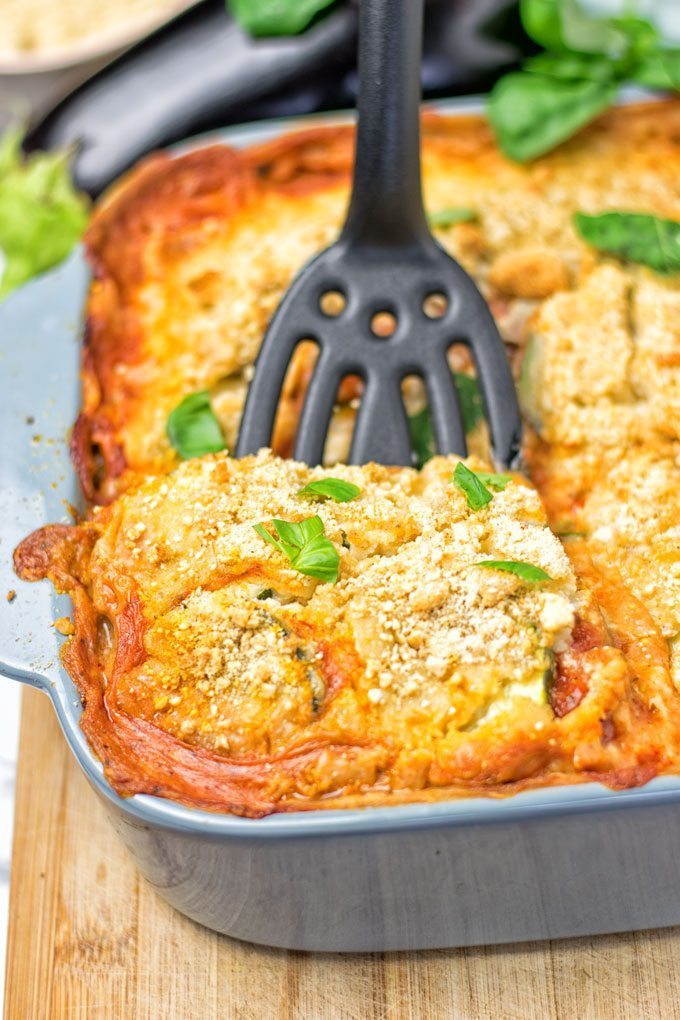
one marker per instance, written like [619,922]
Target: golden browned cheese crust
[391,685]
[214,672]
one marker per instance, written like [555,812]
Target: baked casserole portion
[215,672]
[191,255]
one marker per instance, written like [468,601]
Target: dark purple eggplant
[203,71]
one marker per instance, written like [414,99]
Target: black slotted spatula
[385,261]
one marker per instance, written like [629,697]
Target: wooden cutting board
[89,939]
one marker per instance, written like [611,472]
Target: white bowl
[96,45]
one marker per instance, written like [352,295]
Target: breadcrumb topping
[238,643]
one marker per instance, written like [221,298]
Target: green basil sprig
[587,59]
[476,493]
[276,17]
[564,26]
[420,424]
[477,485]
[305,544]
[527,571]
[193,428]
[330,488]
[660,70]
[494,481]
[531,113]
[637,237]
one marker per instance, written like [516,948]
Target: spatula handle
[386,207]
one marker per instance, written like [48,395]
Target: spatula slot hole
[465,374]
[291,399]
[341,428]
[383,324]
[332,303]
[435,305]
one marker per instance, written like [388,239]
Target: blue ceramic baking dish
[542,864]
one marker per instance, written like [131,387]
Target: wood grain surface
[89,939]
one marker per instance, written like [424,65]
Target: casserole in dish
[374,919]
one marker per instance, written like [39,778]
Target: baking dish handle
[39,326]
[23,676]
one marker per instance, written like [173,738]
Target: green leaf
[476,493]
[266,593]
[564,26]
[268,537]
[41,215]
[637,237]
[296,533]
[276,17]
[659,70]
[305,544]
[318,558]
[532,113]
[420,424]
[193,429]
[527,571]
[493,481]
[560,91]
[451,215]
[541,20]
[641,37]
[330,488]
[572,67]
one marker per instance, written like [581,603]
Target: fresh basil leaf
[572,67]
[318,558]
[42,216]
[532,113]
[659,70]
[527,571]
[641,37]
[276,17]
[331,488]
[305,545]
[296,533]
[451,215]
[420,424]
[268,537]
[193,429]
[541,21]
[564,26]
[493,481]
[638,237]
[476,493]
